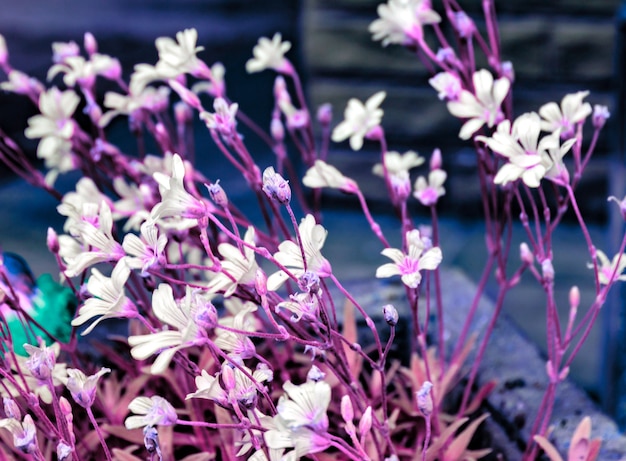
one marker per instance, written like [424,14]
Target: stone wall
[556,47]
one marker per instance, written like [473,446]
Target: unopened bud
[315,374]
[52,240]
[275,186]
[4,52]
[325,114]
[600,115]
[462,23]
[424,399]
[547,269]
[188,96]
[574,297]
[390,313]
[309,282]
[11,410]
[228,377]
[525,254]
[90,43]
[277,130]
[280,91]
[507,71]
[182,113]
[436,160]
[260,282]
[347,411]
[365,424]
[151,440]
[217,194]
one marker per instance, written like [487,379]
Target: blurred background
[556,47]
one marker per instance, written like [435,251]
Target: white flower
[55,127]
[177,57]
[321,174]
[359,120]
[155,411]
[528,156]
[20,83]
[76,205]
[108,299]
[224,119]
[305,405]
[401,21]
[83,387]
[610,271]
[303,305]
[175,200]
[428,192]
[483,106]
[408,266]
[135,203]
[146,252]
[238,268]
[269,54]
[564,119]
[150,99]
[448,86]
[76,69]
[188,319]
[398,164]
[238,343]
[313,236]
[24,433]
[95,235]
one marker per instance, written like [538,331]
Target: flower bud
[90,43]
[228,377]
[64,451]
[182,113]
[390,313]
[4,52]
[424,399]
[347,411]
[11,410]
[325,114]
[547,270]
[525,254]
[275,186]
[277,130]
[186,95]
[365,424]
[260,282]
[52,240]
[600,115]
[507,71]
[435,160]
[151,440]
[574,297]
[315,374]
[217,194]
[462,23]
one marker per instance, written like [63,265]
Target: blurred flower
[321,174]
[149,99]
[24,433]
[610,271]
[177,57]
[428,192]
[564,118]
[359,120]
[408,266]
[270,54]
[401,21]
[20,83]
[237,342]
[483,106]
[224,119]
[448,86]
[289,255]
[153,411]
[275,186]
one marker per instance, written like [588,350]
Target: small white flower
[321,174]
[83,387]
[610,271]
[313,236]
[224,119]
[448,86]
[146,252]
[177,57]
[187,317]
[483,106]
[150,99]
[359,120]
[302,305]
[565,118]
[428,192]
[24,433]
[305,405]
[398,164]
[528,156]
[237,343]
[401,21]
[154,411]
[270,54]
[408,266]
[241,267]
[108,299]
[20,83]
[176,202]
